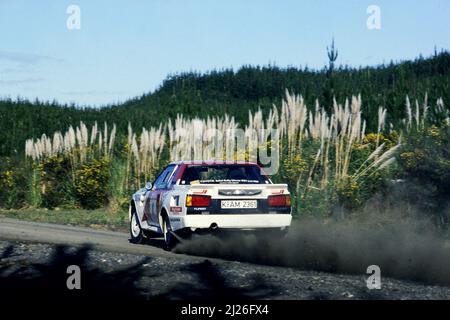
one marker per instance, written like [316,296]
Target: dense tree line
[235,92]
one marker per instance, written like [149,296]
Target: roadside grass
[97,219]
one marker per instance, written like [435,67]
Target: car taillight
[279,201]
[198,201]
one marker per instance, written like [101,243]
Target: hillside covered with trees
[345,137]
[235,92]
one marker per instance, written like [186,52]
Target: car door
[160,186]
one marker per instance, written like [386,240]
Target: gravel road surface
[34,258]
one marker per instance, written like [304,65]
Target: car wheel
[135,229]
[169,239]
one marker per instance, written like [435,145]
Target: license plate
[239,204]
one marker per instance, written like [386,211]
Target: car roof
[212,162]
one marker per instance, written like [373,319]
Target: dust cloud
[403,248]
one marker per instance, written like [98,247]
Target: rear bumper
[236,221]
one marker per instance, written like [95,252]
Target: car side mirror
[148,185]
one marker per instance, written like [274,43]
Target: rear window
[223,174]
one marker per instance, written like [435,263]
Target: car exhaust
[213,226]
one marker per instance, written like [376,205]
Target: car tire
[136,233]
[169,239]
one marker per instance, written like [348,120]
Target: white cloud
[26,58]
[17,82]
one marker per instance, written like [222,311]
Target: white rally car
[191,197]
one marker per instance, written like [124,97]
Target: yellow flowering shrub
[293,166]
[91,183]
[7,179]
[55,181]
[412,159]
[348,193]
[389,140]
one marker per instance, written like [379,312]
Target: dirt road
[34,258]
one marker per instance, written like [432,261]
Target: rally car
[190,197]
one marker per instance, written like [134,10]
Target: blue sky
[126,48]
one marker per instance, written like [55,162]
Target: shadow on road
[212,285]
[21,278]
